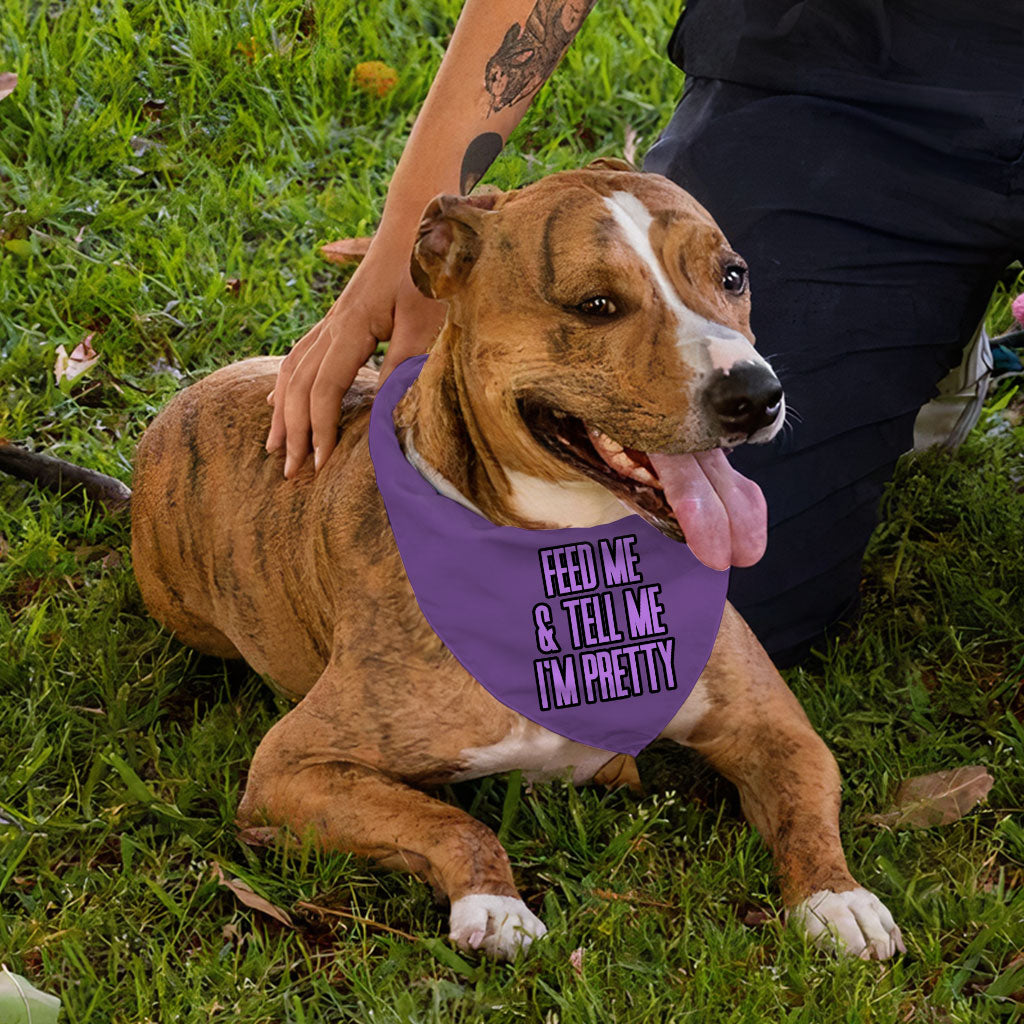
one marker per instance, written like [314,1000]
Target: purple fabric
[597,633]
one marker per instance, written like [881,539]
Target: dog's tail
[62,477]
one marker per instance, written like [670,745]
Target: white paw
[499,925]
[855,922]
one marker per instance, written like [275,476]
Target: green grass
[155,150]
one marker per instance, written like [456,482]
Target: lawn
[168,169]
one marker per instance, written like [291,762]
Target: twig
[607,894]
[62,477]
[348,915]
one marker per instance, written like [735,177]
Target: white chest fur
[541,754]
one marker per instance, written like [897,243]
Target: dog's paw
[501,926]
[855,922]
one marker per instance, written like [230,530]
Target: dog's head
[600,322]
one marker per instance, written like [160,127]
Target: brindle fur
[302,577]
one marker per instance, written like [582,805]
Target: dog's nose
[745,399]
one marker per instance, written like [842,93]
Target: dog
[598,335]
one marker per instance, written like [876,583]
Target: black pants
[874,236]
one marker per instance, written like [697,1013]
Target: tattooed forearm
[529,52]
[527,56]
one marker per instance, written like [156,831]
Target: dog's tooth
[643,475]
[603,442]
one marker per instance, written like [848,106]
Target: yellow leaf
[375,76]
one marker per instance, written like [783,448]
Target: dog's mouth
[626,472]
[695,497]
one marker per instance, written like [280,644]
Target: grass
[167,169]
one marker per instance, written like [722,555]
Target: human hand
[380,303]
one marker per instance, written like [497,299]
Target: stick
[62,477]
[331,912]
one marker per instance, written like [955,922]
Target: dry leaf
[937,799]
[244,894]
[375,76]
[346,250]
[152,108]
[86,553]
[629,150]
[755,917]
[163,366]
[259,835]
[576,961]
[68,367]
[8,80]
[139,145]
[249,50]
[112,560]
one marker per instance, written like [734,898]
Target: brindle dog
[514,413]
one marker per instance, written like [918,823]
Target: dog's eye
[734,278]
[597,305]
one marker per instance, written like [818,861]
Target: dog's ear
[449,242]
[610,163]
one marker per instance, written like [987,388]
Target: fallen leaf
[249,50]
[375,76]
[936,799]
[83,357]
[139,145]
[346,250]
[86,553]
[163,366]
[112,560]
[629,150]
[22,1003]
[755,917]
[8,81]
[152,108]
[576,961]
[259,835]
[244,894]
[4,547]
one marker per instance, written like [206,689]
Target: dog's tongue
[722,514]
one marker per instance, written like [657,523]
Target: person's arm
[500,54]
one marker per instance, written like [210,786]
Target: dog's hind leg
[751,728]
[353,807]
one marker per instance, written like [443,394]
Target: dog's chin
[626,472]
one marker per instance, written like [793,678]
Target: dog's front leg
[745,720]
[299,778]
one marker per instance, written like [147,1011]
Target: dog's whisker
[793,414]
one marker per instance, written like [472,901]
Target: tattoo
[480,154]
[529,52]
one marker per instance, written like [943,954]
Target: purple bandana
[597,633]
